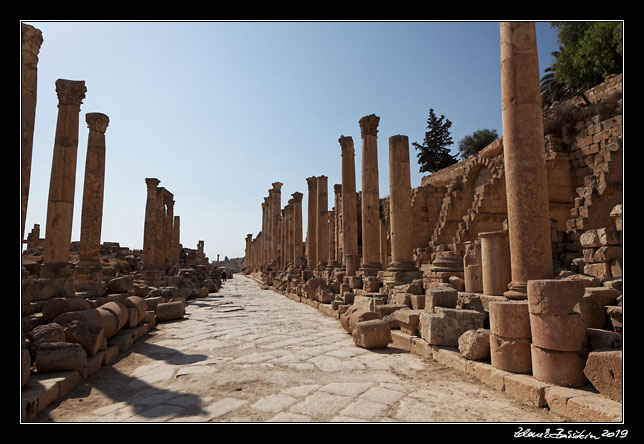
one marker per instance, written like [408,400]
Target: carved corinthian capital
[369,125]
[70,92]
[346,144]
[31,42]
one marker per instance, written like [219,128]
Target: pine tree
[433,154]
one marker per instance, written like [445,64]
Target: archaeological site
[504,269]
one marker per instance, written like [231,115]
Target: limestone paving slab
[277,361]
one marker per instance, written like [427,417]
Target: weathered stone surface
[603,339]
[168,311]
[138,304]
[353,315]
[57,306]
[558,367]
[89,336]
[510,319]
[120,284]
[60,356]
[97,316]
[563,333]
[42,334]
[440,297]
[311,287]
[119,310]
[604,371]
[554,297]
[373,333]
[475,344]
[511,355]
[591,306]
[446,325]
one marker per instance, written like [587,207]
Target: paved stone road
[250,355]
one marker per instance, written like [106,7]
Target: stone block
[600,270]
[604,371]
[562,333]
[511,355]
[370,334]
[599,339]
[417,301]
[408,320]
[487,374]
[594,408]
[355,282]
[110,354]
[401,340]
[457,282]
[615,316]
[475,344]
[607,253]
[355,314]
[120,284]
[526,389]
[371,284]
[123,341]
[558,367]
[510,319]
[440,297]
[450,357]
[591,306]
[60,356]
[400,297]
[420,347]
[168,311]
[554,297]
[446,325]
[608,236]
[590,239]
[470,301]
[137,303]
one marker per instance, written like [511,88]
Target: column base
[395,277]
[370,269]
[517,290]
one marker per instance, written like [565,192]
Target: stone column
[277,205]
[93,186]
[402,254]
[263,254]
[384,244]
[322,223]
[370,196]
[176,240]
[297,225]
[311,235]
[331,225]
[249,240]
[337,189]
[269,226]
[168,230]
[60,209]
[150,227]
[31,42]
[290,214]
[495,262]
[160,231]
[526,180]
[349,204]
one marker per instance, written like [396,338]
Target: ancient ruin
[506,266]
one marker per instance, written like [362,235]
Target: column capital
[31,43]
[312,182]
[337,188]
[290,202]
[297,196]
[152,182]
[277,186]
[369,125]
[97,122]
[346,144]
[70,92]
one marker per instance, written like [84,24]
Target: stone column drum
[510,336]
[93,187]
[495,262]
[322,243]
[60,208]
[297,225]
[370,196]
[472,268]
[526,179]
[402,253]
[31,42]
[311,236]
[558,332]
[349,203]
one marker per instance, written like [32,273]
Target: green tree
[588,52]
[433,154]
[471,145]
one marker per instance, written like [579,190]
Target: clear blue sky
[217,111]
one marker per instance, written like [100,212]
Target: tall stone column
[60,209]
[290,214]
[277,205]
[168,231]
[349,205]
[337,235]
[400,217]
[331,226]
[263,242]
[31,42]
[176,240]
[323,221]
[269,226]
[297,225]
[526,179]
[150,225]
[160,232]
[93,186]
[311,236]
[370,196]
[249,241]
